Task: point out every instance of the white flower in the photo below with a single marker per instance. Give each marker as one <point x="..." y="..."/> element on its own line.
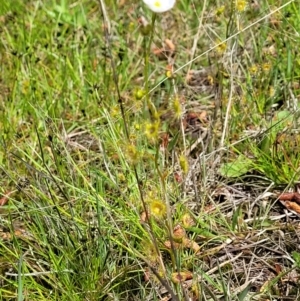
<point x="160" y="6"/>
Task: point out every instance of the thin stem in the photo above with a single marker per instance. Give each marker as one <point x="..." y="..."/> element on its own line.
<point x="147" y="50"/>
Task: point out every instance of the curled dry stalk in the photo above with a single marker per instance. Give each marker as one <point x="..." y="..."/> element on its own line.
<point x="107" y="34"/>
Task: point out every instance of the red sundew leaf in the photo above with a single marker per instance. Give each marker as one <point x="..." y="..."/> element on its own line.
<point x="158" y="51"/>
<point x="191" y="117"/>
<point x="168" y="244"/>
<point x="147" y="275"/>
<point x="164" y="140"/>
<point x="142" y="21"/>
<point x="170" y="45"/>
<point x="5" y="198"/>
<point x="278" y="268"/>
<point x="287" y="196"/>
<point x="178" y="177"/>
<point x="209" y="208"/>
<point x="203" y="116"/>
<point x="187" y="221"/>
<point x="181" y="276"/>
<point x="178" y="233"/>
<point x="290" y="196"/>
<point x="143" y="217"/>
<point x="167" y="50"/>
<point x="191" y="245"/>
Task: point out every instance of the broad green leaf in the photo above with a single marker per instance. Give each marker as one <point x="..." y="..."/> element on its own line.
<point x="236" y="168"/>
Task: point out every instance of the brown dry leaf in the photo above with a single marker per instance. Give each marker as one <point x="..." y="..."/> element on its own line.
<point x="291" y="206"/>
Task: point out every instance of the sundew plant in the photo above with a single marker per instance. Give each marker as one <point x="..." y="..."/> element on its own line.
<point x="149" y="150"/>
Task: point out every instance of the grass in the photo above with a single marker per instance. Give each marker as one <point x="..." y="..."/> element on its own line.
<point x="129" y="175"/>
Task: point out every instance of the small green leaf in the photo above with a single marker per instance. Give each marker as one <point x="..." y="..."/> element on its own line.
<point x="173" y="142"/>
<point x="237" y="168"/>
<point x="202" y="232"/>
<point x="296" y="257"/>
<point x="244" y="294"/>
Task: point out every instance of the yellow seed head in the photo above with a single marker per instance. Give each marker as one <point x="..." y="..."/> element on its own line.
<point x="221" y="48"/>
<point x="253" y="69"/>
<point x="151" y="130"/>
<point x="184" y="164"/>
<point x="121" y="177"/>
<point x="240" y="5"/>
<point x="131" y="26"/>
<point x="139" y="94"/>
<point x="272" y="91"/>
<point x="115" y="111"/>
<point x="266" y="67"/>
<point x="157" y="208"/>
<point x="132" y="153"/>
<point x="149" y="251"/>
<point x="176" y="107"/>
<point x="220" y="10"/>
